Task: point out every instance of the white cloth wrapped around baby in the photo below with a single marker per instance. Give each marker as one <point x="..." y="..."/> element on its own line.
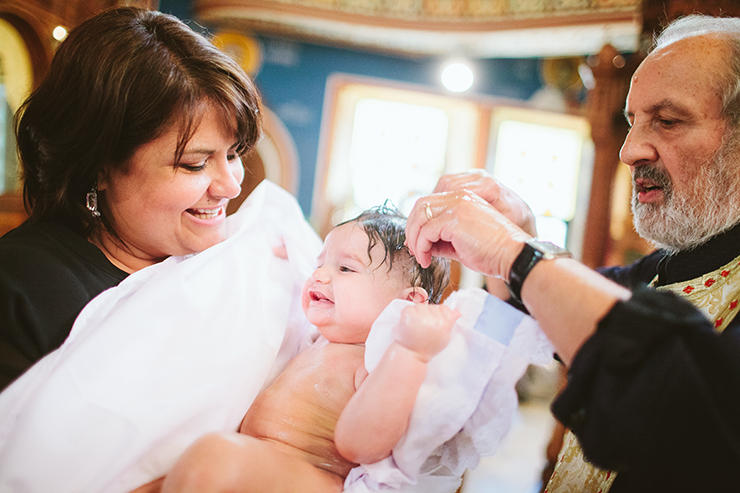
<point x="468" y="398"/>
<point x="182" y="348"/>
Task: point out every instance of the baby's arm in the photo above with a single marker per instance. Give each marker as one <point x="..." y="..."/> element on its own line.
<point x="378" y="414"/>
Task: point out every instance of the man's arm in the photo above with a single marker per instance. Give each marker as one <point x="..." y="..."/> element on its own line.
<point x="378" y="414"/>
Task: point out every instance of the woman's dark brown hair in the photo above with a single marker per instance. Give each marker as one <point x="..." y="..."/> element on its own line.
<point x="117" y="82"/>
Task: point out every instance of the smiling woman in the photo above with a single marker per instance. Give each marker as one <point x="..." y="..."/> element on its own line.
<point x="160" y="206"/>
<point x="130" y="151"/>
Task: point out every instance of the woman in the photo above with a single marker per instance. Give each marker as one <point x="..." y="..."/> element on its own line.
<point x="130" y="152"/>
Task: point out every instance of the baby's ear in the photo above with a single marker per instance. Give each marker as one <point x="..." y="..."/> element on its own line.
<point x="417" y="295"/>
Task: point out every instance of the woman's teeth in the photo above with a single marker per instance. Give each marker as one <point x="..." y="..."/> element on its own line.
<point x="206" y="213"/>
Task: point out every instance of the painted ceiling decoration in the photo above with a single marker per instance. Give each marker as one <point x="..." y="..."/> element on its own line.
<point x="472" y="28"/>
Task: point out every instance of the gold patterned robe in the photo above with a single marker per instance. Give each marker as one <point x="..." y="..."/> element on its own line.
<point x="716" y="295"/>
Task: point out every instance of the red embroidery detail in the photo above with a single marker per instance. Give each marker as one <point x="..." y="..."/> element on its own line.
<point x="709" y="282"/>
<point x="718" y="322"/>
<point x="733" y="305"/>
<point x="688" y="289"/>
<point x="725" y="273"/>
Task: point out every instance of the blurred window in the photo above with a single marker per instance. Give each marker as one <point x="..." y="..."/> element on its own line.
<point x="390" y="143"/>
<point x="539" y="156"/>
<point x="393" y="143"/>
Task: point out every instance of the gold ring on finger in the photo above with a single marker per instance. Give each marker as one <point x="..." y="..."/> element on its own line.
<point x="428" y="210"/>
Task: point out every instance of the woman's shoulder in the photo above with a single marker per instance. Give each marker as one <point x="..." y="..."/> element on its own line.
<point x="55" y="250"/>
<point x="52" y="257"/>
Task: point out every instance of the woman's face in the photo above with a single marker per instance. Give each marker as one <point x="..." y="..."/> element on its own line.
<point x="159" y="208"/>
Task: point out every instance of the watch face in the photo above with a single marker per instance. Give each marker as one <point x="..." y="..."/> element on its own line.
<point x="550" y="249"/>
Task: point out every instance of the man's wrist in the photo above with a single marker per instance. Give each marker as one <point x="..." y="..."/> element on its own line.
<point x="532" y="253"/>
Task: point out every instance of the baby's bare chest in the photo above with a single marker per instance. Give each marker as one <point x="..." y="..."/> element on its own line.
<point x="310" y="394"/>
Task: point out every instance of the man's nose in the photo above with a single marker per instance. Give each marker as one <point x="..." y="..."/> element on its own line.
<point x="638" y="148"/>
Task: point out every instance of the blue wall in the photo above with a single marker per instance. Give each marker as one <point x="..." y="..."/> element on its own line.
<point x="293" y="78"/>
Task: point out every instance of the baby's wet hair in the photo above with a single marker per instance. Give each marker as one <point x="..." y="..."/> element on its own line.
<point x="386" y="225"/>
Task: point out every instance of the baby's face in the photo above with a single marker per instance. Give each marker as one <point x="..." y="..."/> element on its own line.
<point x="348" y="291"/>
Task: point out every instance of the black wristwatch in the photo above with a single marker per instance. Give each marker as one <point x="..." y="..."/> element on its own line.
<point x="534" y="251"/>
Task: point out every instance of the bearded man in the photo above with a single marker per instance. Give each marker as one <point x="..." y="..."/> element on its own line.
<point x="653" y="393"/>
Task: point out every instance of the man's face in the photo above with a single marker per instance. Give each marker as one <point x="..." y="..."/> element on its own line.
<point x="685" y="174"/>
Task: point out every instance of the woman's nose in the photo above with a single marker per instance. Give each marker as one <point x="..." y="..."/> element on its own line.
<point x="638" y="148"/>
<point x="227" y="179"/>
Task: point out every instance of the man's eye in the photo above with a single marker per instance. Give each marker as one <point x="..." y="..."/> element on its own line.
<point x="667" y="122"/>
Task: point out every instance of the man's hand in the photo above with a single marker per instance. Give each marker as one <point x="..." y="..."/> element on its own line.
<point x="492" y="191"/>
<point x="462" y="226"/>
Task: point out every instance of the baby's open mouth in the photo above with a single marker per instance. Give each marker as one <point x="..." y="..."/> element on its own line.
<point x="316" y="296"/>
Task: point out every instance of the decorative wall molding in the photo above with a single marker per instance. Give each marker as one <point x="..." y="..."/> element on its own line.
<point x="476" y="28"/>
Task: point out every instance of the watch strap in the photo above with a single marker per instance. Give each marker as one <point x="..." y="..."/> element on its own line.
<point x="525" y="261"/>
<point x="534" y="250"/>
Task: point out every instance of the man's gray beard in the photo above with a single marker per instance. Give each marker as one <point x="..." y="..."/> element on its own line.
<point x="689" y="219"/>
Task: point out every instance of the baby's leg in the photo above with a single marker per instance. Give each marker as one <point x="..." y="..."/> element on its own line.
<point x="232" y="462"/>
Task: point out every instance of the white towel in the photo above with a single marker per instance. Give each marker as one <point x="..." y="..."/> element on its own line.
<point x="466" y="403"/>
<point x="176" y="350"/>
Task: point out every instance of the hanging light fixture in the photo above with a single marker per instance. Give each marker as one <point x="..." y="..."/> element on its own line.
<point x="457" y="76"/>
<point x="59" y="33"/>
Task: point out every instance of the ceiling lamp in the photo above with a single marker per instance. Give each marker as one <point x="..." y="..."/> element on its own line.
<point x="457" y="76"/>
<point x="59" y="33"/>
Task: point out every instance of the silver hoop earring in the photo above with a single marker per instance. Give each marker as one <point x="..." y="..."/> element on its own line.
<point x="91" y="200"/>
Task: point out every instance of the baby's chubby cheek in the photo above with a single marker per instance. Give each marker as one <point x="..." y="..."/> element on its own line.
<point x="305" y="300"/>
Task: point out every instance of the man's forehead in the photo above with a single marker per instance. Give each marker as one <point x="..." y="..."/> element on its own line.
<point x="681" y="74"/>
<point x="695" y="56"/>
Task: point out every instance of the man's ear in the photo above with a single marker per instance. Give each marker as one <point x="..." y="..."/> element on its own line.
<point x="416" y="295"/>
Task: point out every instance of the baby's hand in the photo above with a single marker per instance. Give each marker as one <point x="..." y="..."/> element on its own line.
<point x="280" y="251"/>
<point x="425" y="329"/>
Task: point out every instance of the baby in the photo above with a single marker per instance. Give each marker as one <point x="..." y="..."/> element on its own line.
<point x="325" y="414"/>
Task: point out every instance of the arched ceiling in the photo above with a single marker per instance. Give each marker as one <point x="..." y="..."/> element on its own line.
<point x="473" y="28"/>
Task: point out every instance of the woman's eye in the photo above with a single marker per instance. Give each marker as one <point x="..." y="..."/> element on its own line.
<point x="193" y="167"/>
<point x="232" y="157"/>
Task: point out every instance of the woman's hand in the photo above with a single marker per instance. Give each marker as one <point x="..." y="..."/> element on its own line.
<point x="462" y="226"/>
<point x="492" y="191"/>
<point x="425" y="329"/>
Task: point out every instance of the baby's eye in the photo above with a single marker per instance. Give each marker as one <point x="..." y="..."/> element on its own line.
<point x="344" y="268"/>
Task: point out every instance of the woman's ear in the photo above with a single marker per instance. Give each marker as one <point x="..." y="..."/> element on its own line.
<point x="102" y="179"/>
<point x="417" y="295"/>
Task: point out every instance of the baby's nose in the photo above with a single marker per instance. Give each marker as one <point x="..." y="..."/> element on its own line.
<point x="321" y="275"/>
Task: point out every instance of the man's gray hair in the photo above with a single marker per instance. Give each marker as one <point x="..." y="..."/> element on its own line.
<point x="726" y="27"/>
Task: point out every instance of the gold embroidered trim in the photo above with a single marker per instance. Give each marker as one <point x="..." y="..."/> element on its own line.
<point x="716" y="295"/>
<point x="574" y="474"/>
